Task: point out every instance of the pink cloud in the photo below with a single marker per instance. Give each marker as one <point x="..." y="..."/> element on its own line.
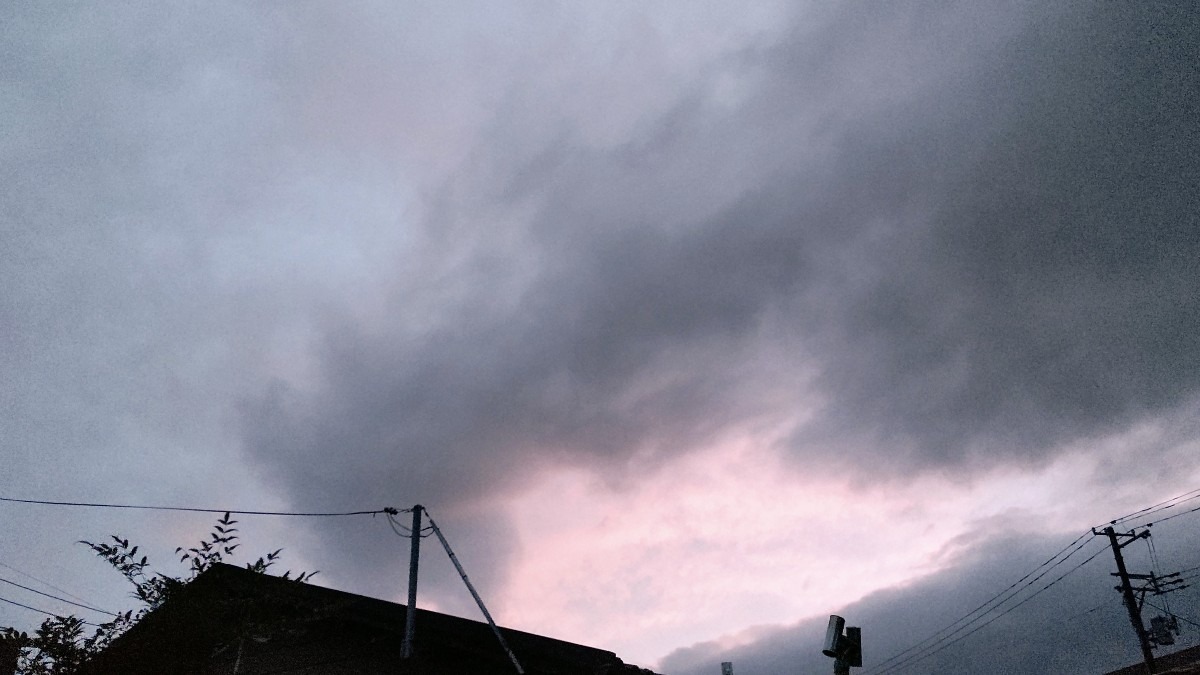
<point x="707" y="544"/>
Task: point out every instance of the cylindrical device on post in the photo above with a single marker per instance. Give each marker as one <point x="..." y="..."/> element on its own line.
<point x="410" y="613"/>
<point x="833" y="635"/>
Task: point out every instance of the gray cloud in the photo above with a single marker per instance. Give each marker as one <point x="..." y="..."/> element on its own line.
<point x="973" y="227"/>
<point x="1049" y="298"/>
<point x="957" y="233"/>
<point x="149" y="276"/>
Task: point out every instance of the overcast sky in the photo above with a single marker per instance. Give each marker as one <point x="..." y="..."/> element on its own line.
<point x="691" y="323"/>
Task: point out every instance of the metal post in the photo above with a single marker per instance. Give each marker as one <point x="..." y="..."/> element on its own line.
<point x="1135" y="615"/>
<point x="410" y="613"/>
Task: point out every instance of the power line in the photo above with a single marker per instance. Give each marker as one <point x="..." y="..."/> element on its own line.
<point x="42" y="611"/>
<point x="1173" y="515"/>
<point x="397" y="526"/>
<point x="55" y="597"/>
<point x="983" y="609"/>
<point x="1034" y="595"/>
<point x="1156" y="569"/>
<point x="934" y="643"/>
<point x="916" y="659"/>
<point x="42" y="582"/>
<point x="1010" y="595"/>
<point x="1161" y="506"/>
<point x="388" y="510"/>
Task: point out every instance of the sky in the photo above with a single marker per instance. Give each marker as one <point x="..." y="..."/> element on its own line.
<point x="690" y="323"/>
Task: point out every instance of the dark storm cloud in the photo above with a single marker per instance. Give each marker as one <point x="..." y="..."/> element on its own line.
<point x="993" y="255"/>
<point x="975" y="229"/>
<point x="1051" y="295"/>
<point x="1076" y="626"/>
<point x="995" y="251"/>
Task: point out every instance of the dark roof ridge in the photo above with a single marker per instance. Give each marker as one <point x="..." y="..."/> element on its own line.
<point x="223" y="570"/>
<point x="230" y="615"/>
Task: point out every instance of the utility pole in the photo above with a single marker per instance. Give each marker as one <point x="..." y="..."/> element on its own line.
<point x="410" y="613"/>
<point x="1135" y="613"/>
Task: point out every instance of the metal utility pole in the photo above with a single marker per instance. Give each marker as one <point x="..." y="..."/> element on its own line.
<point x="1135" y="613"/>
<point x="410" y="613"/>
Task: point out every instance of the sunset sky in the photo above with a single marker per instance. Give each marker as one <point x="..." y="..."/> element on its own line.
<point x="690" y="323"/>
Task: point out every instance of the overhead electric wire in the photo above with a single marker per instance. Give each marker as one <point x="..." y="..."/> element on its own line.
<point x="42" y="581"/>
<point x="983" y="609"/>
<point x="392" y="523"/>
<point x="41" y="611"/>
<point x="917" y="658"/>
<point x="1161" y="506"/>
<point x="941" y="643"/>
<point x="55" y="597"/>
<point x="941" y="635"/>
<point x="407" y="533"/>
<point x="242" y="512"/>
<point x="388" y="511"/>
<point x="934" y="643"/>
<point x="1173" y="515"/>
<point x="1156" y="570"/>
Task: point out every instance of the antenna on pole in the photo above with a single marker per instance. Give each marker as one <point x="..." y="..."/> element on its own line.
<point x="410" y="613"/>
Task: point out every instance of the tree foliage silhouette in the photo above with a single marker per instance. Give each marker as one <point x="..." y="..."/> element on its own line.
<point x="60" y="645"/>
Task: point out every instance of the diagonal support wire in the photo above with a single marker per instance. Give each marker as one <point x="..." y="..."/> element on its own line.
<point x="479" y="601"/>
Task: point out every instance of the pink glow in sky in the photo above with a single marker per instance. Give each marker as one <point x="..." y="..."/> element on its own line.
<point x="733" y="536"/>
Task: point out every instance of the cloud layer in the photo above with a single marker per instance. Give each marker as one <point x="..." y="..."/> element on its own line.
<point x="367" y="256"/>
<point x="912" y="238"/>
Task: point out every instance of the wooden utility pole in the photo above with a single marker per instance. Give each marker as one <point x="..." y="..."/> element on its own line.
<point x="1135" y="613"/>
<point x="410" y="613"/>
